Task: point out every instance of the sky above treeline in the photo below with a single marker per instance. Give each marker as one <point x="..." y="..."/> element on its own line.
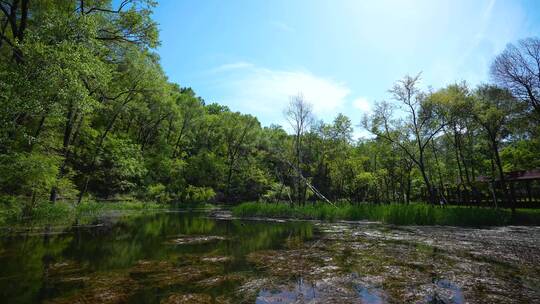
<point x="343" y="56"/>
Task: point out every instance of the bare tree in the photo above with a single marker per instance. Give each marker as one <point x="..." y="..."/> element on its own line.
<point x="517" y="69"/>
<point x="299" y="115"/>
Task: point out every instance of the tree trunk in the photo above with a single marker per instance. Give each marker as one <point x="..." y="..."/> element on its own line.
<point x="71" y="116"/>
<point x="427" y="183"/>
<point x="498" y="162"/>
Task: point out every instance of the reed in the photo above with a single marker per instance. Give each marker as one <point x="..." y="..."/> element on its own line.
<point x="398" y="214"/>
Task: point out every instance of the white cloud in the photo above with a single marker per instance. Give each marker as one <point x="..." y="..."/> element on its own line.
<point x="266" y="92"/>
<point x="362" y="104"/>
<point x="231" y="66"/>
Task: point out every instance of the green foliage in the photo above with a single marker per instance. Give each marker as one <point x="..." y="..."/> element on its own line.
<point x="28" y="174"/>
<point x="276" y="193"/>
<point x="158" y="193"/>
<point x="65" y="213"/>
<point x="52" y="212"/>
<point x="124" y="165"/>
<point x="90" y="208"/>
<point x="198" y="195"/>
<point x="87" y="111"/>
<point x="10" y="209"/>
<point x="521" y="155"/>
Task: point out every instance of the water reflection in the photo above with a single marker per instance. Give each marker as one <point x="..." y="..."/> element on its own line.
<point x="301" y="293"/>
<point x="136" y="254"/>
<point x="370" y="295"/>
<point x="321" y="292"/>
<point x="191" y="258"/>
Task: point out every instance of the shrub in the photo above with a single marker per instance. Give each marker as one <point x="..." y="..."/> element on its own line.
<point x="10" y="209"/>
<point x="158" y="193"/>
<point x="196" y="195"/>
<point x="277" y="192"/>
<point x="28" y="174"/>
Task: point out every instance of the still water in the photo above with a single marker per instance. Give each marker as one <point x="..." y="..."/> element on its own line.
<point x="178" y="257"/>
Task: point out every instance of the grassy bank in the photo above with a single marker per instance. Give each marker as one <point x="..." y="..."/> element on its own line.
<point x="62" y="212"/>
<point x="413" y="214"/>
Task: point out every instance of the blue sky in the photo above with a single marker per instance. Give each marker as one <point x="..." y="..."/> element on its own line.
<point x="341" y="55"/>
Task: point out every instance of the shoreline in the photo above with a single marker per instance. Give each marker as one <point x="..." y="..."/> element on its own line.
<point x="394" y="214"/>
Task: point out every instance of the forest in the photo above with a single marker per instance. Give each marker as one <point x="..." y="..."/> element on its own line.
<point x="120" y="185"/>
<point x="87" y="113"/>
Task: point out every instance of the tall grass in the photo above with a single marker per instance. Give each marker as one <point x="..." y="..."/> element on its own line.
<point x="413" y="214"/>
<point x="94" y="207"/>
<point x="63" y="212"/>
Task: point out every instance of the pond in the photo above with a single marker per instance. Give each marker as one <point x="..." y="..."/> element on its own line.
<point x="181" y="257"/>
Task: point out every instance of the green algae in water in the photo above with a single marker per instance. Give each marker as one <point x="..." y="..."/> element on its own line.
<point x="143" y="259"/>
<point x="192" y="258"/>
